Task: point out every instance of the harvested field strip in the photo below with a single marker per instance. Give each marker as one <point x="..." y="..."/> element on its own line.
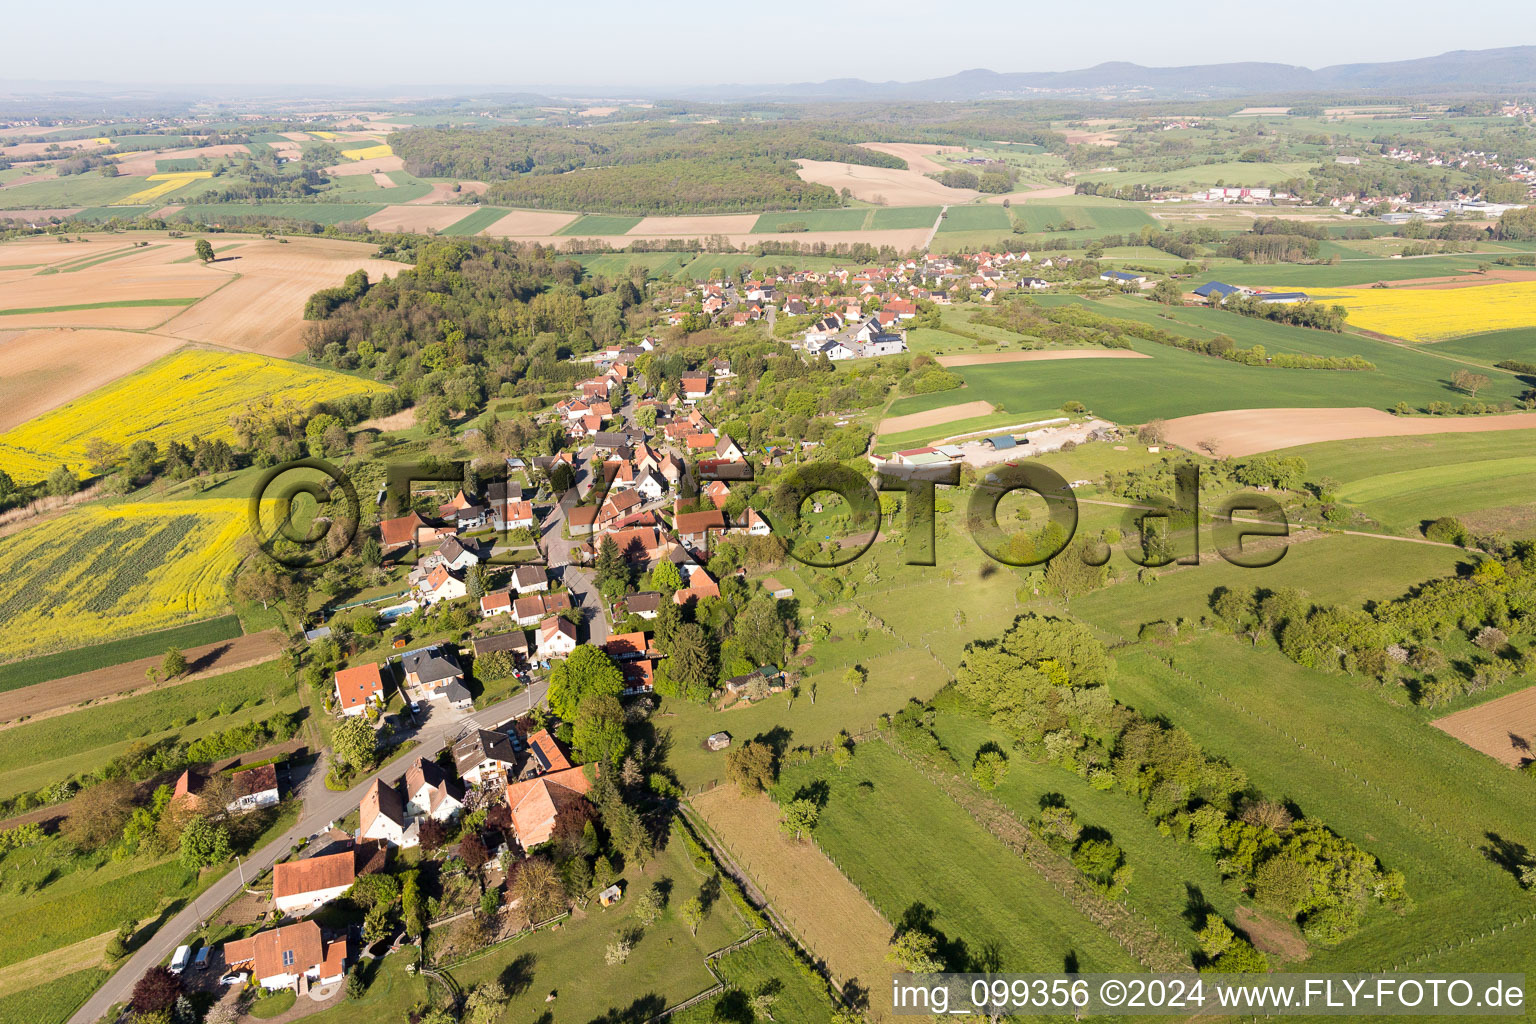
<point x="118" y="304"/>
<point x="1250" y="431"/>
<point x="110" y="258"/>
<point x="1504" y="729"/>
<point x="935" y="417"/>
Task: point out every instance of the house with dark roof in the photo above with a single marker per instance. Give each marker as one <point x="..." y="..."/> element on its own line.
<point x="381" y="816"/>
<point x="429" y="793"/>
<point x="484" y="758"/>
<point x="1215" y="292"/>
<point x="514" y="643"/>
<point x="430" y="670"/>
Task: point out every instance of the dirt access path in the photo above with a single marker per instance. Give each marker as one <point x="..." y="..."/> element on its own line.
<point x="805" y="889"/>
<point x="1250" y="431"/>
<point x="42" y="700"/>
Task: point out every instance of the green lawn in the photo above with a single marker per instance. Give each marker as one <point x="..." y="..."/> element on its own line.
<point x="660" y="265"/>
<point x="894" y="217"/>
<point x="666" y="966"/>
<point x="116" y="304"/>
<point x="592" y="225"/>
<point x="1401" y="481"/>
<point x="813" y="220"/>
<point x="911" y="849"/>
<point x="39" y="753"/>
<point x="1166" y="872"/>
<point x="115" y="652"/>
<point x="391" y="994"/>
<point x="1173" y="382"/>
<point x="53" y="1002"/>
<point x="799" y="994"/>
<point x="1518" y="344"/>
<point x="975" y="218"/>
<point x="476" y="222"/>
<point x="88" y="189"/>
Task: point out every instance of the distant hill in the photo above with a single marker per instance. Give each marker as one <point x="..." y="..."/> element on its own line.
<point x="1512" y="67"/>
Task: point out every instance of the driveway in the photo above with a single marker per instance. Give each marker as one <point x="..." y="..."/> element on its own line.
<point x="321" y="807"/>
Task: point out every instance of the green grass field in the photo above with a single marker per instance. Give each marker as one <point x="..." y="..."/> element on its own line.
<point x="814" y="220"/>
<point x="116" y="304"/>
<point x="975" y="218"/>
<point x="318" y="213"/>
<point x="1103" y="216"/>
<point x="1229" y="172"/>
<point x="1402" y="481"/>
<point x="908" y="846"/>
<point x="799" y="995"/>
<point x="593" y="224"/>
<point x="1361" y="270"/>
<point x="106" y="213"/>
<point x="52" y="1002"/>
<point x="70" y="190"/>
<point x="39" y="753"/>
<point x="1173" y="382"/>
<point x="666" y="967"/>
<point x="893" y="217"/>
<point x="659" y="264"/>
<point x="476" y="222"/>
<point x="116" y="652"/>
<point x="1518" y="344"/>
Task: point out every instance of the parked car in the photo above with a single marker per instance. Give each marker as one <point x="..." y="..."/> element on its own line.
<point x="181" y="959"/>
<point x="234" y="978"/>
<point x="201" y="960"/>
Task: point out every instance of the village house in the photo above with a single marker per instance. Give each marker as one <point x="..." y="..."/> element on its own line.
<point x="295" y="955"/>
<point x="535" y="608"/>
<point x="645" y="604"/>
<point x="358" y="685"/>
<point x="441" y="585"/>
<point x="249" y="789"/>
<point x="514" y="643"/>
<point x="484" y="758"/>
<point x="407" y="531"/>
<point x="430" y="670"/>
<point x="498" y="602"/>
<point x="556" y="638"/>
<point x="695" y="388"/>
<point x="382" y="817"/>
<point x="529" y="579"/>
<point x="429" y="793"/>
<point x="300" y="887"/>
<point x="693" y="527"/>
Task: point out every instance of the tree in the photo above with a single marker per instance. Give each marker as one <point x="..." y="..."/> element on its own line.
<point x="915" y="951"/>
<point x="1069" y="576"/>
<point x="98" y="814"/>
<point x="62" y="482"/>
<point x="356" y="987"/>
<point x="486" y="1002"/>
<point x="798" y="817"/>
<point x="355" y="743"/>
<point x="1216" y="937"/>
<point x="204" y="250"/>
<point x="537" y="887"/>
<point x="203" y="843"/>
<point x="156" y="991"/>
<point x="586" y="673"/>
<point x="990" y="768"/>
<point x="665" y="578"/>
<point x="598" y="735"/>
<point x="854" y="677"/>
<point x="691" y="663"/>
<point x="1168" y="293"/>
<point x="617" y="951"/>
<point x="761" y="630"/>
<point x="648" y="905"/>
<point x="752" y="766"/>
<point x="692" y="912"/>
<point x="473" y="853"/>
<point x="173" y="664"/>
<point x="1471" y="383"/>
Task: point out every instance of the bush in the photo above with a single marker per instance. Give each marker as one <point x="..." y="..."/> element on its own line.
<point x="1447" y="530"/>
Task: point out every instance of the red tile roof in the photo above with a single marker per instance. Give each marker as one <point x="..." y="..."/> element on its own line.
<point x="356" y="684"/>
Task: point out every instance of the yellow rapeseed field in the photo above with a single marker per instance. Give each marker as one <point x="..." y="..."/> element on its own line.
<point x="106" y="571"/>
<point x="323" y="135"/>
<point x="368" y="152"/>
<point x="1435" y="314"/>
<point x="168" y="182"/>
<point x="191" y="392"/>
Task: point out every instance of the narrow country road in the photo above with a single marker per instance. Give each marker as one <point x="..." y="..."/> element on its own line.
<point x="321" y="807"/>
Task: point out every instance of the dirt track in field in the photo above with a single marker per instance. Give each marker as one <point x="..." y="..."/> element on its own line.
<point x="1250" y="431"/>
<point x="1038" y="355"/>
<point x="935" y="417"/>
<point x="1504" y="729"/>
<point x="806" y="889"/>
<point x="57" y="696"/>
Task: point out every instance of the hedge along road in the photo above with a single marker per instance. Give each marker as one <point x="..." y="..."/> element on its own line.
<point x="324" y="808"/>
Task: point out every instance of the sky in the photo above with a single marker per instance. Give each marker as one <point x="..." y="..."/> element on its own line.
<point x="590" y="45"/>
